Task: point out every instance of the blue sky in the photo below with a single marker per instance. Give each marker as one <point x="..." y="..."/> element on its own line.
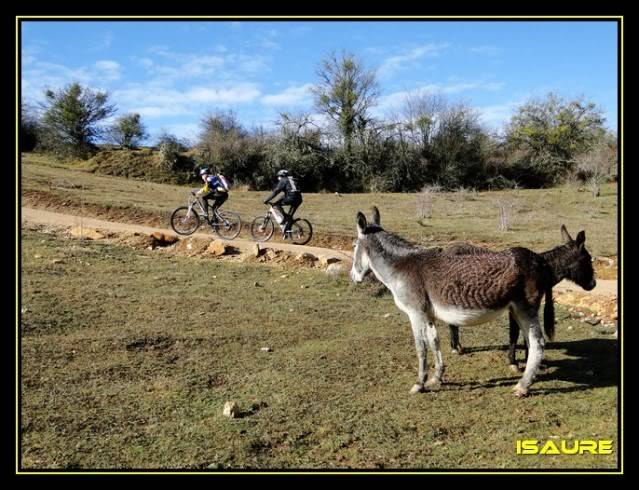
<point x="175" y="72"/>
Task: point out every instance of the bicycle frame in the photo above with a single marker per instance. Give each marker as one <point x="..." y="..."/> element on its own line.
<point x="194" y="200"/>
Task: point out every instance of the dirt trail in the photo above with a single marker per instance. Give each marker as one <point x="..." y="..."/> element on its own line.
<point x="605" y="287"/>
<point x="42" y="217"/>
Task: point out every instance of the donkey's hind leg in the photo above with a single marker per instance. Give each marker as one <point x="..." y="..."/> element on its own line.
<point x="455" y="346"/>
<point x="513" y="328"/>
<point x="531" y="329"/>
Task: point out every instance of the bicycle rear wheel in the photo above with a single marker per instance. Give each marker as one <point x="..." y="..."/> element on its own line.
<point x="185" y="222"/>
<point x="262" y="229"/>
<point x="229" y="224"/>
<point x="301" y="232"/>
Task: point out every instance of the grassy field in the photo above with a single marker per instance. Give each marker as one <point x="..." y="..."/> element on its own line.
<point x="128" y="357"/>
<point x="536" y="217"/>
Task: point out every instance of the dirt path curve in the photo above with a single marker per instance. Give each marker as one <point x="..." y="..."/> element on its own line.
<point x="605" y="287"/>
<point x="41" y="217"/>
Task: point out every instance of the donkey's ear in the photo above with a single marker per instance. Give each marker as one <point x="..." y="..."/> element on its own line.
<point x="375" y="220"/>
<point x="581" y="238"/>
<point x="565" y="235"/>
<point x="361" y="222"/>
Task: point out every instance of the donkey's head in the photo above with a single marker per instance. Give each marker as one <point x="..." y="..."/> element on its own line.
<point x="361" y="263"/>
<point x="578" y="261"/>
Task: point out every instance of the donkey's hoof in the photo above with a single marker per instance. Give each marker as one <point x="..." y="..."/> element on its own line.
<point x="454" y="351"/>
<point x="514" y="368"/>
<point x="416" y="389"/>
<point x="432" y="385"/>
<point x="520" y="392"/>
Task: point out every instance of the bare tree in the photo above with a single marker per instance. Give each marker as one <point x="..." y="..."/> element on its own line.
<point x="595" y="166"/>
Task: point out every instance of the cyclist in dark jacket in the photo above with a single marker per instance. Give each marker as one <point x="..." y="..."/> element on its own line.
<point x="292" y="196"/>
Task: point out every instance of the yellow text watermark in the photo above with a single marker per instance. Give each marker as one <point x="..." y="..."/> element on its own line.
<point x="586" y="446"/>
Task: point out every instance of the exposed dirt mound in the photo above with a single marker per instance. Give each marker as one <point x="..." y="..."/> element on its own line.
<point x="51" y="202"/>
<point x="141" y="164"/>
<point x="605" y="268"/>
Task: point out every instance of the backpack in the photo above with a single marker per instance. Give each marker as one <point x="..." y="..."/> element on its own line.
<point x="225" y="183"/>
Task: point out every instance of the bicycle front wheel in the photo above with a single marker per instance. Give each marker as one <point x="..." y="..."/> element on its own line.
<point x="184" y="222"/>
<point x="301" y="232"/>
<point x="262" y="229"/>
<point x="229" y="225"/>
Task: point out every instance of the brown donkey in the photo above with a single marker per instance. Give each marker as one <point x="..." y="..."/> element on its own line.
<point x="456" y="289"/>
<point x="569" y="261"/>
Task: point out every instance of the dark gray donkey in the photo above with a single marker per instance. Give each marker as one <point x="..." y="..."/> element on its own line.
<point x="568" y="261"/>
<point x="457" y="289"/>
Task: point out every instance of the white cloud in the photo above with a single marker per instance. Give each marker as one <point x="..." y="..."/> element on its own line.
<point x="487" y="50"/>
<point x="108" y="69"/>
<point x="183" y="130"/>
<point x="394" y="63"/>
<point x="222" y="65"/>
<point x="105" y="42"/>
<point x="397" y="99"/>
<point x="232" y="95"/>
<point x="157" y="101"/>
<point x="290" y="96"/>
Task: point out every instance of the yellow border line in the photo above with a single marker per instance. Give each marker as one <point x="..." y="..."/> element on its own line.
<point x="390" y="17"/>
<point x="18" y="226"/>
<point x="213" y="473"/>
<point x="620" y="263"/>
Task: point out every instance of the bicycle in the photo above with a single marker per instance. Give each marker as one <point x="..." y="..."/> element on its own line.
<point x="186" y="219"/>
<point x="299" y="232"/>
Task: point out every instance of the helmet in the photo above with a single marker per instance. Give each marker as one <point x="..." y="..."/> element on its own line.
<point x="204" y="170"/>
<point x="282" y="173"/>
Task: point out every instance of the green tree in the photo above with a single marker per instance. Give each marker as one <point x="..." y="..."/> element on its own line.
<point x="71" y="119"/>
<point x="345" y="93"/>
<point x="128" y="131"/>
<point x="547" y="134"/>
<point x="30" y="130"/>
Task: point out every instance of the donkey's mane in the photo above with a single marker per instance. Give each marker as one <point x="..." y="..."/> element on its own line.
<point x="391" y="244"/>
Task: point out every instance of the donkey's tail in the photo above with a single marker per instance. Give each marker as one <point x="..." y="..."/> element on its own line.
<point x="549" y="315"/>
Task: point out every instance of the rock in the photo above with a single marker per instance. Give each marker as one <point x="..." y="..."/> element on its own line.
<point x="231" y="410"/>
<point x="336" y="269"/>
<point x="218" y="248"/>
<point x="256" y="284"/>
<point x="570" y="328"/>
<point x="283" y="276"/>
<point x="163" y="239"/>
<point x="57" y="261"/>
<point x="303" y="286"/>
<point x="257" y="251"/>
<point x="266" y="349"/>
<point x="593" y="321"/>
<point x="37" y="256"/>
<point x="387" y="315"/>
<point x="306" y="258"/>
<point x="328" y="260"/>
<point x="86" y="233"/>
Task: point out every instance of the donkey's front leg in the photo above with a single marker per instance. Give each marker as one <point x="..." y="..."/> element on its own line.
<point x="420" y="346"/>
<point x="532" y="330"/>
<point x="434" y="383"/>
